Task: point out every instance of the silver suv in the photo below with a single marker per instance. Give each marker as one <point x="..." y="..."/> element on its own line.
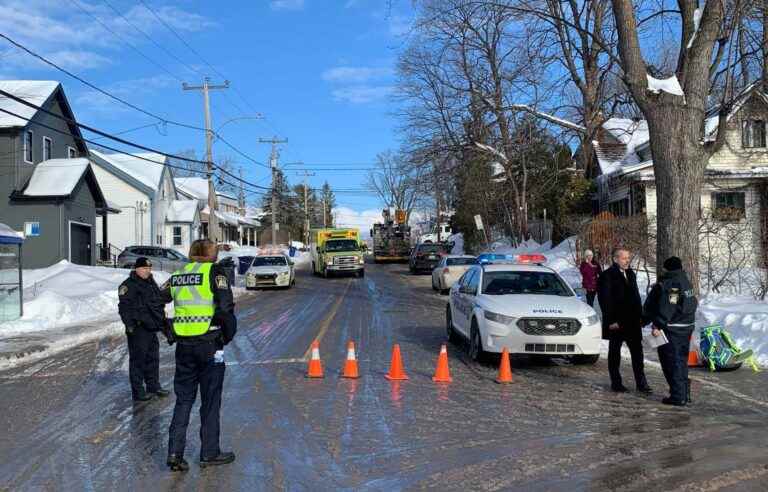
<point x="165" y="259"/>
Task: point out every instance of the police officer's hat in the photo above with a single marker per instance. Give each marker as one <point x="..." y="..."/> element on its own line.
<point x="142" y="261"/>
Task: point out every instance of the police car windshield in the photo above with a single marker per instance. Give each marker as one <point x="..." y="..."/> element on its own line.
<point x="539" y="283"/>
<point x="269" y="261"/>
<point x="341" y="245"/>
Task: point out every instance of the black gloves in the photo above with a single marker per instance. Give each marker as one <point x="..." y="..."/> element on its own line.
<point x="129" y="330"/>
<point x="170" y="336"/>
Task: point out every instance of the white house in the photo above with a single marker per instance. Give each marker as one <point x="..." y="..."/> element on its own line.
<point x="143" y="188"/>
<point x="234" y="224"/>
<point x="734" y="198"/>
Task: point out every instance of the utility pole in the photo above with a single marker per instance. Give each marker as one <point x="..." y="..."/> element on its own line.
<point x="306" y="174"/>
<point x="213" y="226"/>
<point x="273" y="156"/>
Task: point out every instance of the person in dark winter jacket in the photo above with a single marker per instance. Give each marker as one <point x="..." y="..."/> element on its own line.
<point x="590" y="271"/>
<point x="142" y="309"/>
<point x="671" y="307"/>
<point x="622" y="312"/>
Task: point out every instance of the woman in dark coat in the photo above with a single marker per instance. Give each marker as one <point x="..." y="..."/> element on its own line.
<point x="590" y="271"/>
<point x="622" y="312"/>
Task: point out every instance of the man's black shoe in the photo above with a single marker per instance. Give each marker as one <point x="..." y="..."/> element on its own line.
<point x="670" y="401"/>
<point x="161" y="393"/>
<point x="619" y="389"/>
<point x="177" y="463"/>
<point x="221" y="459"/>
<point x="645" y="389"/>
<point x="144" y="397"/>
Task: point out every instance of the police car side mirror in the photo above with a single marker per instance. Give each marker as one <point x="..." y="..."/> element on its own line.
<point x="581" y="293"/>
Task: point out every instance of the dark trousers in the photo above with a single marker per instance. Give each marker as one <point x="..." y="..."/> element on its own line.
<point x="143" y="362"/>
<point x="674" y="362"/>
<point x="635" y="345"/>
<point x="591" y="298"/>
<point x="195" y="366"/>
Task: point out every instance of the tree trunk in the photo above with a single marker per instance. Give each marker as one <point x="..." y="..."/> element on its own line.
<point x="678" y="166"/>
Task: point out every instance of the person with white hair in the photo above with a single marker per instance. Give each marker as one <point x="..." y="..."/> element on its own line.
<point x="590" y="270"/>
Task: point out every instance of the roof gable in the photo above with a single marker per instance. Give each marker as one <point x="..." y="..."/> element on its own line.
<point x="59" y="178"/>
<point x="147" y="168"/>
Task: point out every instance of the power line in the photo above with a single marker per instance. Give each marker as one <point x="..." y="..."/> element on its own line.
<point x="152" y="40"/>
<point x="125" y="41"/>
<point x="98" y="89"/>
<point x="117" y="139"/>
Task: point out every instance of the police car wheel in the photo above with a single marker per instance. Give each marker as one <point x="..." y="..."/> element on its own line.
<point x="453" y="337"/>
<point x="585" y="359"/>
<point x="476" y="351"/>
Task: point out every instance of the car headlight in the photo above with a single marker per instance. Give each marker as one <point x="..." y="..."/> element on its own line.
<point x="498" y="318"/>
<point x="283" y="274"/>
<point x="594" y="319"/>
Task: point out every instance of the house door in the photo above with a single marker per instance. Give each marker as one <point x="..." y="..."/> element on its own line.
<point x="80" y="244"/>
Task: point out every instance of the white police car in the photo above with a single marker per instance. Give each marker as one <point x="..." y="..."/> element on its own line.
<point x="528" y="308"/>
<point x="270" y="271"/>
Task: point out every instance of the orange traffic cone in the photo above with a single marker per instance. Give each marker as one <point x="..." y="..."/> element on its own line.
<point x="315" y="369"/>
<point x="505" y="370"/>
<point x="693" y="355"/>
<point x="442" y="373"/>
<point x="350" y="367"/>
<point x="693" y="358"/>
<point x="396" y="371"/>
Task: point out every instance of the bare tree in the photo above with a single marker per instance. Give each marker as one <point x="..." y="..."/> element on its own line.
<point x="395" y="182"/>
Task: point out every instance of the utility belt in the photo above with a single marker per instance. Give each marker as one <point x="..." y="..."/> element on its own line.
<point x="213" y="335"/>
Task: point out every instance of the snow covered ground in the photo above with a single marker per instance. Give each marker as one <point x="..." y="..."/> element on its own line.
<point x="743" y="316"/>
<point x="66" y="305"/>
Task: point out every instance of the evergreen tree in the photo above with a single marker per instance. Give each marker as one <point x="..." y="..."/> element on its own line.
<point x="328" y="204"/>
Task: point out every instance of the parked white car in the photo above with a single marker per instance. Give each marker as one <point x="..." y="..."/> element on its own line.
<point x="270" y="271"/>
<point x="525" y="307"/>
<point x="449" y="270"/>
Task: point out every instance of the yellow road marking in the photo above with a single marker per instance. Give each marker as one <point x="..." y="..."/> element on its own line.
<point x="327" y="321"/>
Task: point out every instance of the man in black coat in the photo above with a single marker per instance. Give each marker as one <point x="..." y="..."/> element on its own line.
<point x="671" y="306"/>
<point x="622" y="312"/>
<point x="142" y="309"/>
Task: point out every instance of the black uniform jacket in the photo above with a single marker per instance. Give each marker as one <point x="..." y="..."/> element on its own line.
<point x="620" y="302"/>
<point x="224" y="303"/>
<point x="142" y="303"/>
<point x="671" y="303"/>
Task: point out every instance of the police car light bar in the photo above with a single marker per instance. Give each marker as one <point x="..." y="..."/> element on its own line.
<point x="531" y="258"/>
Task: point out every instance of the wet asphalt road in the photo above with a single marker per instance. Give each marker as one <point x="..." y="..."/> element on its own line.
<point x="66" y="423"/>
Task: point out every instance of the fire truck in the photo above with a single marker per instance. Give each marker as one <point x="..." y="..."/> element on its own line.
<point x="392" y="238"/>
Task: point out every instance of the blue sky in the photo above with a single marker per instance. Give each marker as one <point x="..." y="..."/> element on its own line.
<point x="320" y="71"/>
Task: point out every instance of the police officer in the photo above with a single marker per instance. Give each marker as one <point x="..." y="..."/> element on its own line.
<point x="671" y="307"/>
<point x="203" y="324"/>
<point x="141" y="307"/>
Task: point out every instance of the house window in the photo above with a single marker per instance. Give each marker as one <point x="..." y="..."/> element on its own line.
<point x="71" y="152"/>
<point x="28" y="155"/>
<point x="47" y="148"/>
<point x="177" y="236"/>
<point x="159" y="239"/>
<point x="728" y="205"/>
<point x="753" y="134"/>
<point x="637" y="194"/>
<point x="619" y="208"/>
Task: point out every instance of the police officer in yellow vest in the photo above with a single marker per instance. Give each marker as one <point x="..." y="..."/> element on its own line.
<point x="204" y="322"/>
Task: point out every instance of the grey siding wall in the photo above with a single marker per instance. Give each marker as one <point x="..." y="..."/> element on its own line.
<point x="46" y="249"/>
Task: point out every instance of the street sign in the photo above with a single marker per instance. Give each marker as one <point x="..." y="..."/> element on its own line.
<point x="479" y="222"/>
<point x="31" y="229"/>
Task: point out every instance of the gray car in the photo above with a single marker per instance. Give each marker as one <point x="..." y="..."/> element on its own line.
<point x="165" y="259"/>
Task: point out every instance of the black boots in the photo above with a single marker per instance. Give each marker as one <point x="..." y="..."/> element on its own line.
<point x="221" y="459"/>
<point x="161" y="393"/>
<point x="177" y="463"/>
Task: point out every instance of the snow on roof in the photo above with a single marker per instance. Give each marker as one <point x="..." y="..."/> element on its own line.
<point x="138" y="166"/>
<point x="629" y="135"/>
<point x="8" y="235"/>
<point x="181" y="211"/>
<point x="196" y="187"/>
<point x="33" y="91"/>
<point x="56" y="177"/>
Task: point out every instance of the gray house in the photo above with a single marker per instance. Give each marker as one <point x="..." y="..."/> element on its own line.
<point x="48" y="189"/>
